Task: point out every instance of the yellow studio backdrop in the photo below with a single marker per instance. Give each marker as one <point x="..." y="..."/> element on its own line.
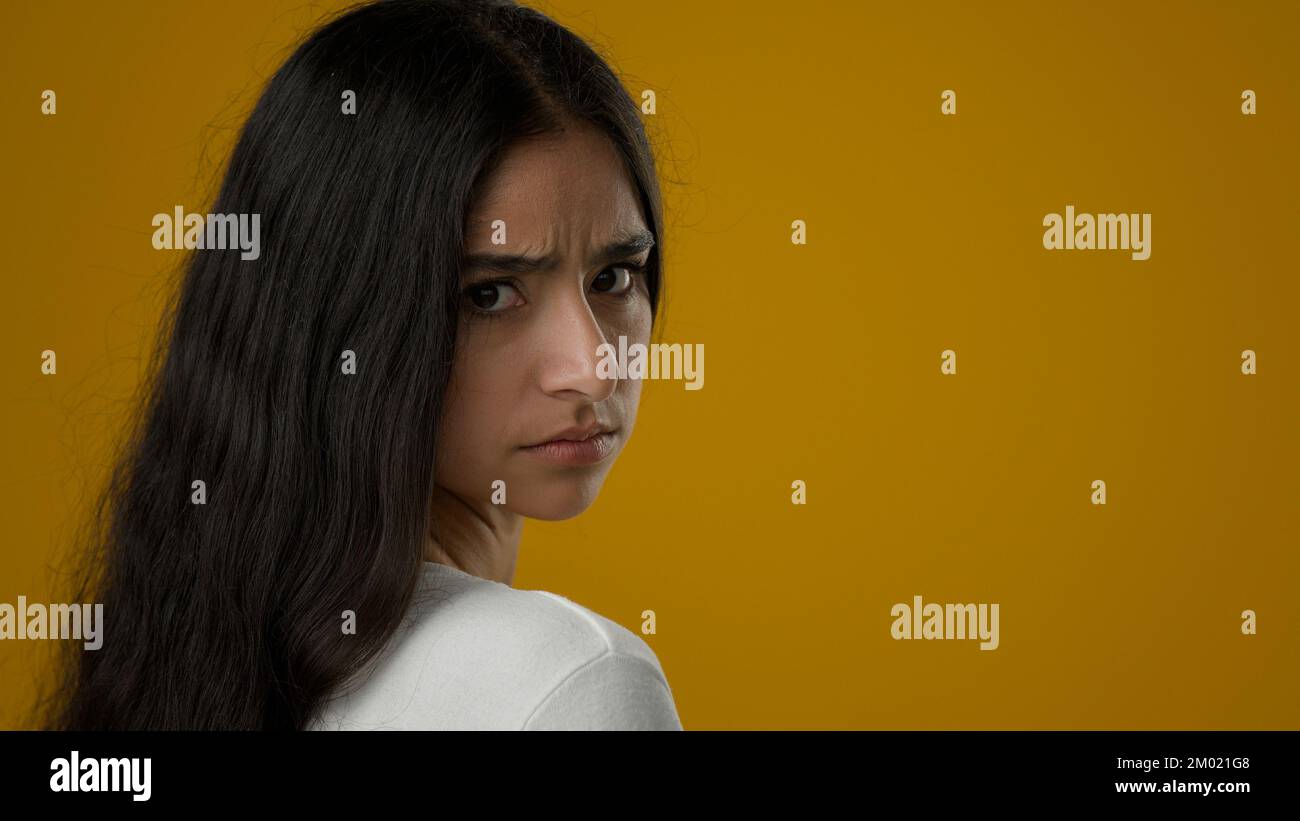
<point x="924" y="234"/>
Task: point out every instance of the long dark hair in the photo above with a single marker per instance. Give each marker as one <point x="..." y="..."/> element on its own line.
<point x="229" y="614"/>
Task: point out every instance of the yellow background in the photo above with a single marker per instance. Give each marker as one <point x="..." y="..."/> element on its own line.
<point x="822" y="361"/>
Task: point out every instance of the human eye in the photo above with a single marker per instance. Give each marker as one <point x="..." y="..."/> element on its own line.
<point x="617" y="280"/>
<point x="491" y="297"/>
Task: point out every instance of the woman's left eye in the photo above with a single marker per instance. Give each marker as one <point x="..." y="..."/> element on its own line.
<point x="616" y="279"/>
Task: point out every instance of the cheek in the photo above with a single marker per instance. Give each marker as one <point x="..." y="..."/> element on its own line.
<point x="628" y="394"/>
<point x="474" y="416"/>
<point x="456" y="437"/>
<point x="636" y="327"/>
<point x="632" y="322"/>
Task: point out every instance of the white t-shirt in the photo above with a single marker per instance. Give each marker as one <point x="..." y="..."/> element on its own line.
<point x="477" y="654"/>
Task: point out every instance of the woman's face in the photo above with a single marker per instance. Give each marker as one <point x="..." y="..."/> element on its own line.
<point x="525" y="404"/>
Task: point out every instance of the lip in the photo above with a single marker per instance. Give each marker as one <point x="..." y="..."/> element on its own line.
<point x="578" y="445"/>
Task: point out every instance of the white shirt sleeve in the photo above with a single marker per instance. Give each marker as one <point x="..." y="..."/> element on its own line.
<point x="615" y="691"/>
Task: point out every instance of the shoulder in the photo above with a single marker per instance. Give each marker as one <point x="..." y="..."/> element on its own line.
<point x="619" y="686"/>
<point x="474" y="653"/>
<point x="554" y="627"/>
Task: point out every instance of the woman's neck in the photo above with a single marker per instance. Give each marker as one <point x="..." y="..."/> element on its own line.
<point x="479" y="538"/>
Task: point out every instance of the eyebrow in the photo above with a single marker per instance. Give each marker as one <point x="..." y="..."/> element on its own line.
<point x="624" y="246"/>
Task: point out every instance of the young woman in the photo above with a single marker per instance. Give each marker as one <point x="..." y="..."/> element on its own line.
<point x="316" y="521"/>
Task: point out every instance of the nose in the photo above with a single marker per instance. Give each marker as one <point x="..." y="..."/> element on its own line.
<point x="570" y="337"/>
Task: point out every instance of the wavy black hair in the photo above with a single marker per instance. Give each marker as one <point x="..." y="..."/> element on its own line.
<point x="227" y="615"/>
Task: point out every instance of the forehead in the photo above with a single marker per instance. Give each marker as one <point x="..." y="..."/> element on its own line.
<point x="551" y="189"/>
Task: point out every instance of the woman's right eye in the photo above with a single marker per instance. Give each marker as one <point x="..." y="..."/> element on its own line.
<point x="492" y="297"/>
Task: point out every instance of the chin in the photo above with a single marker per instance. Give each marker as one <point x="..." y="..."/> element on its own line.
<point x="558" y="498"/>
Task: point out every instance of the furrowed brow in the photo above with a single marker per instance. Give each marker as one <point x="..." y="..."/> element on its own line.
<point x="519" y="264"/>
<point x="508" y="263"/>
<point x="626" y="246"/>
